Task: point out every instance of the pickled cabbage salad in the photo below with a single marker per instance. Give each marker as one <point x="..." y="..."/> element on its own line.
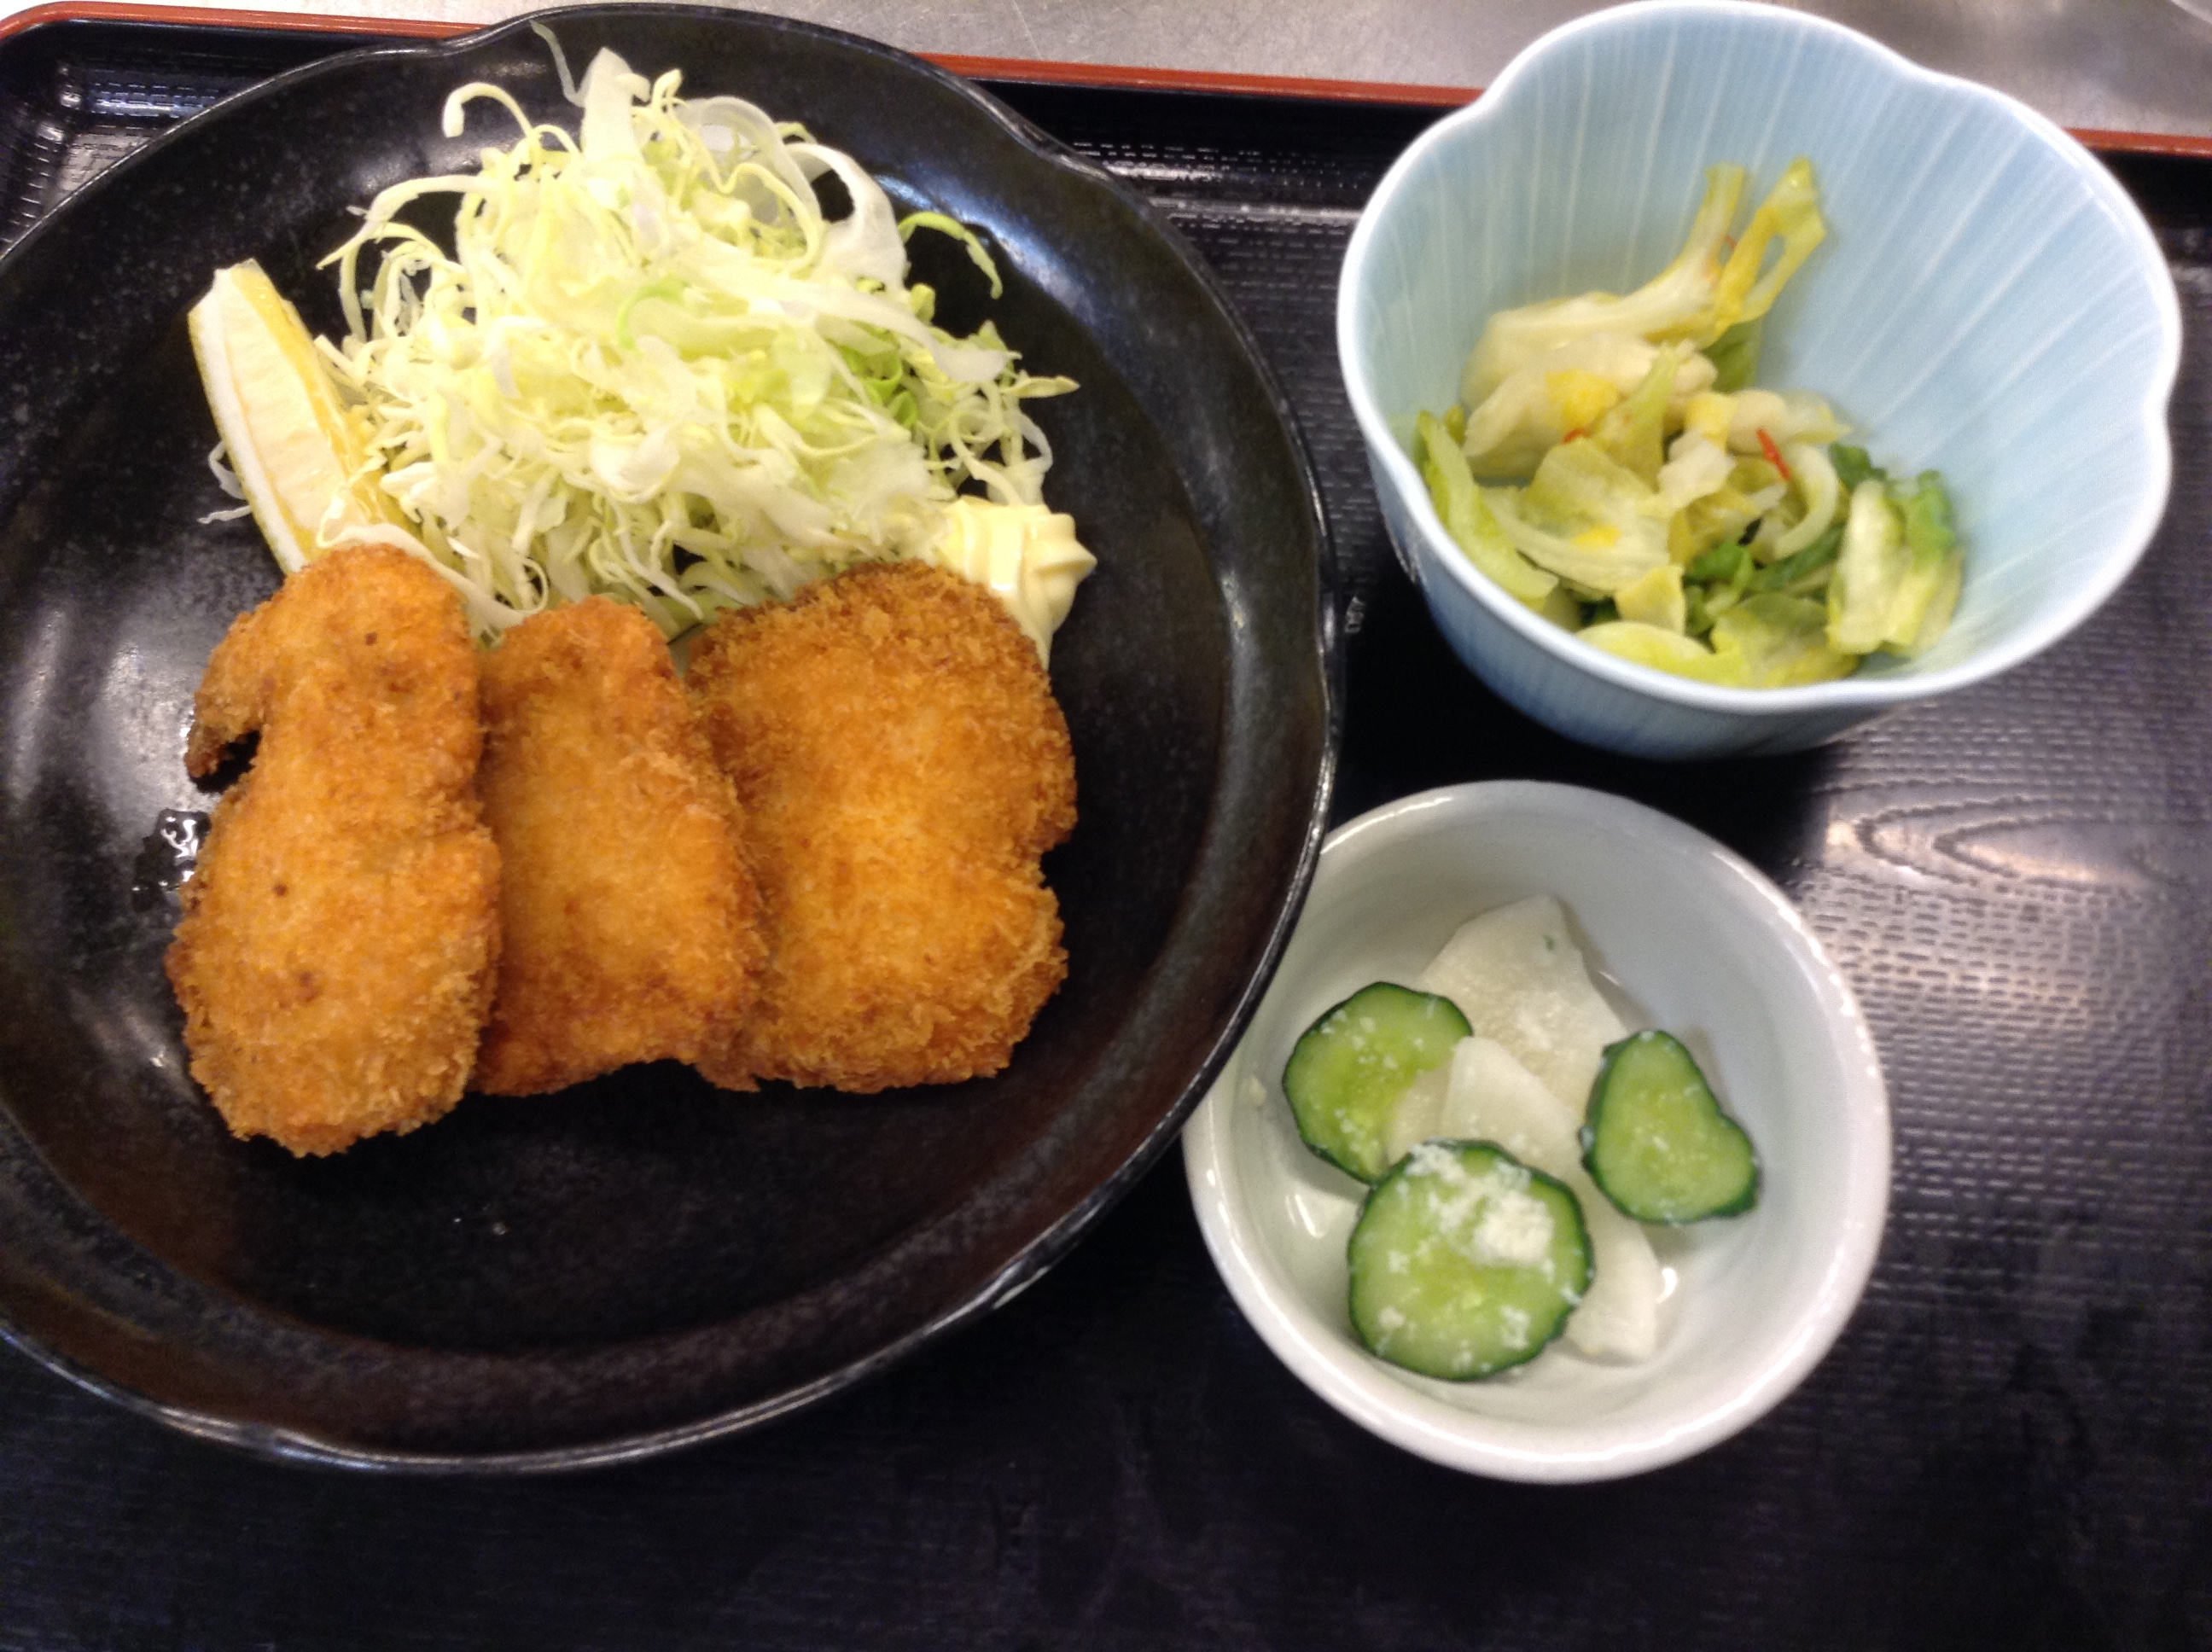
<point x="1612" y="466"/>
<point x="647" y="363"/>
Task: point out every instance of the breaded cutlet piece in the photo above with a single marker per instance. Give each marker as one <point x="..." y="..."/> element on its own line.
<point x="902" y="766"/>
<point x="339" y="935"/>
<point x="632" y="929"/>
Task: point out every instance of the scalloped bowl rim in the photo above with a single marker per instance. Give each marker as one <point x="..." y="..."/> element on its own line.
<point x="2129" y="538"/>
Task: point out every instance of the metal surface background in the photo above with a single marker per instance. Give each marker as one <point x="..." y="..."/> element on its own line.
<point x="2130" y="65"/>
<point x="2010" y="1447"/>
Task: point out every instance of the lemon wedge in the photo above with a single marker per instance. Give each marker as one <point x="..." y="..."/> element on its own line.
<point x="298" y="455"/>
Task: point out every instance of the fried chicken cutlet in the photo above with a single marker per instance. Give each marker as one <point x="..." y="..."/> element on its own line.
<point x="902" y="766"/>
<point x="632" y="928"/>
<point x="335" y="960"/>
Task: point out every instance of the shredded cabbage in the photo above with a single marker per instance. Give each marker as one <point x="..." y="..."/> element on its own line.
<point x="651" y="366"/>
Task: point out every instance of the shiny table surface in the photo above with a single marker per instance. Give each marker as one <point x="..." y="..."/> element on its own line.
<point x="2125" y="65"/>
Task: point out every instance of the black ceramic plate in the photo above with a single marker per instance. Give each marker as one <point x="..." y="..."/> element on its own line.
<point x="640" y="1262"/>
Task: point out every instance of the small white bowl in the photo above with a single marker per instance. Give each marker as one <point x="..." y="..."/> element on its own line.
<point x="1989" y="303"/>
<point x="1686" y="936"/>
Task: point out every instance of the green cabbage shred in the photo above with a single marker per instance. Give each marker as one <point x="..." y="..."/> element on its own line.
<point x="650" y="366"/>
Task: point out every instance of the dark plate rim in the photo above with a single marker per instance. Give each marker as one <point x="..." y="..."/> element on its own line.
<point x="1039" y="1255"/>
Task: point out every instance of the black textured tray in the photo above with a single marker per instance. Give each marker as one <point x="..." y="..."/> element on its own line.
<point x="2010" y="1447"/>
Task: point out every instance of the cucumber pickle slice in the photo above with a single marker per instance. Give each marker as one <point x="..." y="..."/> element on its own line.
<point x="1352" y="1067"/>
<point x="1466" y="1261"/>
<point x="1656" y="1141"/>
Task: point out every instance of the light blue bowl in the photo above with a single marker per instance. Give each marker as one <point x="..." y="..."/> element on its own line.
<point x="1989" y="303"/>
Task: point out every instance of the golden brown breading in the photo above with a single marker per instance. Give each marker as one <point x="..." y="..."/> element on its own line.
<point x="902" y="766"/>
<point x="336" y="956"/>
<point x="632" y="926"/>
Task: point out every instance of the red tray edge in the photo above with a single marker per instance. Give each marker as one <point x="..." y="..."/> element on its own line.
<point x="1116" y="76"/>
<point x="1034" y="71"/>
